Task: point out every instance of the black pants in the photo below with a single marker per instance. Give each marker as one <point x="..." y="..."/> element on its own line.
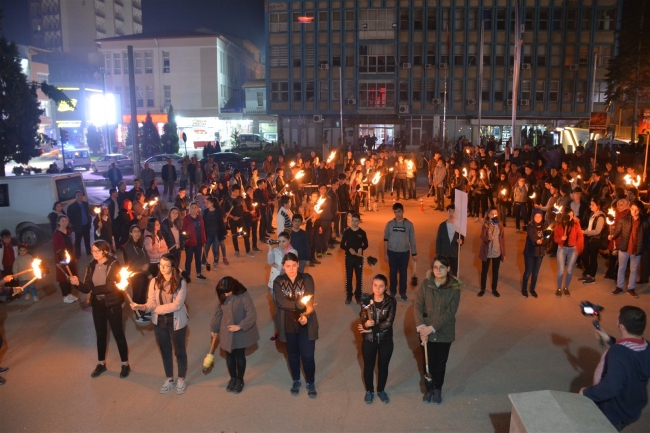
<point x="324" y="238"/>
<point x="590" y="256"/>
<point x="496" y="262"/>
<point x="66" y="288"/>
<point x="83" y="232"/>
<point x="301" y="348"/>
<point x="264" y="224"/>
<point x="253" y="230"/>
<point x="234" y="226"/>
<point x="438" y="355"/>
<point x="140" y="285"/>
<point x="312" y="238"/>
<point x="440" y="197"/>
<point x="168" y="338"/>
<point x="196" y="253"/>
<point x="353" y="264"/>
<point x="376" y="353"/>
<point x="398" y="263"/>
<point x="612" y="266"/>
<point x="103" y="315"/>
<point x="453" y="261"/>
<point x="236" y="362"/>
<point x="520" y="213"/>
<point x="400" y="184"/>
<point x="340" y="223"/>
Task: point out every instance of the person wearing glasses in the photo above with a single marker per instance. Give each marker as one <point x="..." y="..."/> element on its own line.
<point x="399" y="245"/>
<point x="436" y="304"/>
<point x="106" y="299"/>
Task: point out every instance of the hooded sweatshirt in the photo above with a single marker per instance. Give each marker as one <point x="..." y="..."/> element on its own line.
<point x="536" y="232"/>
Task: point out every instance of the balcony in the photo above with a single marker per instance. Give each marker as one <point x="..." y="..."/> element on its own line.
<point x="119" y="2"/>
<point x="100" y="13"/>
<point x="137" y="19"/>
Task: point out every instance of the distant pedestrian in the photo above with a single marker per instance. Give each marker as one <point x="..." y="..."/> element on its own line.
<point x="169" y="179"/>
<point x="80" y="219"/>
<point x="62" y="244"/>
<point x="492" y="250"/>
<point x="114" y="175"/>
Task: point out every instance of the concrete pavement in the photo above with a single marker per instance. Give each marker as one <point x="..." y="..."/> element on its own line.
<point x="504" y="345"/>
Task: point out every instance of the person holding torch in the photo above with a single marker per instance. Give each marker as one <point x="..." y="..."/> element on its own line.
<point x="64" y="253"/>
<point x="296" y="321"/>
<point x="106" y="300"/>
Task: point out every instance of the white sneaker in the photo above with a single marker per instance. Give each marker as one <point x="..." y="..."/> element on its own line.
<point x="27" y="296"/>
<point x="36" y="299"/>
<point x="181" y="386"/>
<point x="167" y="386"/>
<point x="74" y="298"/>
<point x="68" y="299"/>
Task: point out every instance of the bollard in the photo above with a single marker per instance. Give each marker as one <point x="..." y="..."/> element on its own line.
<point x="421" y="205"/>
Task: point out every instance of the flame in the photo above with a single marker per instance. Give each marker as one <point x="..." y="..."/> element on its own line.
<point x="609" y="221"/>
<point x="332" y="156"/>
<point x="243" y="194"/>
<point x="319" y="203"/>
<point x="300" y="174"/>
<point x="579" y="177"/>
<point x="240" y="230"/>
<point x="628" y="179"/>
<point x="152" y="203"/>
<point x="36" y="265"/>
<point x="557" y="208"/>
<point x="98" y="210"/>
<point x="292" y="164"/>
<point x="465" y="171"/>
<point x="481" y="173"/>
<point x="124" y="279"/>
<point x="376" y="178"/>
<point x="390" y="169"/>
<point x="503" y="191"/>
<point x="305" y="299"/>
<point x="637" y="182"/>
<point x="532" y="196"/>
<point x="409" y="164"/>
<point x="496" y="163"/>
<point x="66" y="258"/>
<point x="363" y="160"/>
<point x="467" y="150"/>
<point x="254" y="204"/>
<point x="611" y="212"/>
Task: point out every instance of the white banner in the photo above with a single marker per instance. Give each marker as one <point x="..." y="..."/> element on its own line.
<point x="460" y="214"/>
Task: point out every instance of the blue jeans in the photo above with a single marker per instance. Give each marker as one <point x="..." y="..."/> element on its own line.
<point x="622" y="266"/>
<point x="532" y="268"/>
<point x="299" y="347"/>
<point x="30" y="290"/>
<point x="567" y="255"/>
<point x="196" y="252"/>
<point x="301" y="265"/>
<point x="215" y="243"/>
<point x="398" y="263"/>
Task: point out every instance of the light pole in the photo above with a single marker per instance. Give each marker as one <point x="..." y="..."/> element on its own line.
<point x="102" y="70"/>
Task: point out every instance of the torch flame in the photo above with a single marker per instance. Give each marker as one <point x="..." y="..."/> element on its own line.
<point x="319" y="203"/>
<point x="532" y="196"/>
<point x="292" y="164"/>
<point x="98" y="210"/>
<point x="152" y="203"/>
<point x="611" y="212"/>
<point x="637" y="182"/>
<point x="465" y="170"/>
<point x="628" y="179"/>
<point x="409" y="164"/>
<point x="390" y="169"/>
<point x="557" y="208"/>
<point x="503" y="191"/>
<point x="363" y="160"/>
<point x="124" y="279"/>
<point x="36" y="265"/>
<point x="376" y="178"/>
<point x="66" y="258"/>
<point x="332" y="156"/>
<point x="254" y="204"/>
<point x="305" y="299"/>
<point x="300" y="174"/>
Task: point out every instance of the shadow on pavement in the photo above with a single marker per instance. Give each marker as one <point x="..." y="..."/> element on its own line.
<point x="584" y="362"/>
<point x="500" y="422"/>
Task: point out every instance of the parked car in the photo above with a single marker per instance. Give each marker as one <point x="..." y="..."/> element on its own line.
<point x="157" y="162"/>
<point x="253" y="140"/>
<point x="271" y="136"/>
<point x="124" y="163"/>
<point x="77" y="158"/>
<point x="228" y="160"/>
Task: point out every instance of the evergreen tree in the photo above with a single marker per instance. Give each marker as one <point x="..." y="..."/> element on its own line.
<point x="95" y="139"/>
<point x="150" y="139"/>
<point x="170" y="135"/>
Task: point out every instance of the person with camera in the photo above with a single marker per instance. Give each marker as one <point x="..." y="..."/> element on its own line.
<point x="569" y="238"/>
<point x="621" y="378"/>
<point x="106" y="301"/>
<point x="436" y="304"/>
<point x="493" y="250"/>
<point x="354" y="241"/>
<point x="377" y="317"/>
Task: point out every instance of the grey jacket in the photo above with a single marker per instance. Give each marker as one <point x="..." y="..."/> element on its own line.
<point x="177" y="306"/>
<point x="236" y="310"/>
<point x="400" y="236"/>
<point x="439" y="176"/>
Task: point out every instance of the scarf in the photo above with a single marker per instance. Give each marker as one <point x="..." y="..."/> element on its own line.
<point x="635" y="344"/>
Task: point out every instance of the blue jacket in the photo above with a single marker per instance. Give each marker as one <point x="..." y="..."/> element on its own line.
<point x="622" y="393"/>
<point x="300" y="243"/>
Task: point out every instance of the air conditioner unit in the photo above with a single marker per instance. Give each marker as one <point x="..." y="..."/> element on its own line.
<point x="471" y="101"/>
<point x="403" y="109"/>
<point x="436" y="101"/>
<point x="406" y="65"/>
<point x="427" y="66"/>
<point x="525" y="102"/>
<point x="318" y="118"/>
<point x="509" y="102"/>
<point x="442" y="66"/>
<point x="525" y="66"/>
<point x="324" y="66"/>
<point x="512" y="71"/>
<point x="351" y="102"/>
<point x="574" y="67"/>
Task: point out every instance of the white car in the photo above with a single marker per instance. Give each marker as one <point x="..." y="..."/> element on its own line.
<point x="124" y="163"/>
<point x="157" y="162"/>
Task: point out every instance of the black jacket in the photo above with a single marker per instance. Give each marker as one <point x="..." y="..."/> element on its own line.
<point x="214" y="225"/>
<point x="114" y="296"/>
<point x="624" y="230"/>
<point x="384" y="318"/>
<point x="443" y="246"/>
<point x="165" y="173"/>
<point x="534" y="233"/>
<point x="74" y="214"/>
<point x="168" y="236"/>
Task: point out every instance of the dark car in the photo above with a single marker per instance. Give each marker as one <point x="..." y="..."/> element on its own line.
<point x="228" y="160"/>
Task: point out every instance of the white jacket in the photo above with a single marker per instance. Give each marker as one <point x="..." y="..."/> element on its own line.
<point x="275" y="256"/>
<point x="177" y="305"/>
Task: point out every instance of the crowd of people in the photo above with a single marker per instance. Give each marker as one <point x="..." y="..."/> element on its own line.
<point x="566" y="208"/>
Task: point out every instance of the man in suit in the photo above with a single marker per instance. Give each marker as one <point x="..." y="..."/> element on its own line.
<point x="114" y="175"/>
<point x="169" y="179"/>
<point x="80" y="218"/>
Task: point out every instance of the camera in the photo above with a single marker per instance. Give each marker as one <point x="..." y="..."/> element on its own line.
<point x="273" y="242"/>
<point x="588" y="309"/>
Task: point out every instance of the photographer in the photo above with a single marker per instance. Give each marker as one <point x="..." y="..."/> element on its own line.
<point x="621" y="378"/>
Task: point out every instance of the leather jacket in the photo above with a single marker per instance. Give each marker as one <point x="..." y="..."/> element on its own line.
<point x="384" y="317"/>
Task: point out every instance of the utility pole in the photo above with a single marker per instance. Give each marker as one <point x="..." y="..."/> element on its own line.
<point x="134" y="115"/>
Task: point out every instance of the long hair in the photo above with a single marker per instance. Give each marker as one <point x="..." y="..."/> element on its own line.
<point x="151" y="228"/>
<point x="139" y="243"/>
<point x="178" y="222"/>
<point x="229" y="285"/>
<point x="175" y="281"/>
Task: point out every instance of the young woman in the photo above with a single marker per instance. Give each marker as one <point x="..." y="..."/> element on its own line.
<point x="234" y="319"/>
<point x="436" y="304"/>
<point x="570" y="240"/>
<point x="493" y="250"/>
<point x="166" y="303"/>
<point x="154" y="244"/>
<point x="481" y="194"/>
<point x="534" y="251"/>
<point x="141" y="211"/>
<point x="103" y="226"/>
<point x="459" y="182"/>
<point x="592" y="241"/>
<point x="57" y="211"/>
<point x="171" y="229"/>
<point x="62" y="243"/>
<point x="127" y="219"/>
<point x="137" y="259"/>
<point x="298" y="329"/>
<point x="376" y="327"/>
<point x="100" y="280"/>
<point x="504" y="196"/>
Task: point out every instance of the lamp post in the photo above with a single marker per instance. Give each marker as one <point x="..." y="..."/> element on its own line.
<point x="102" y="70"/>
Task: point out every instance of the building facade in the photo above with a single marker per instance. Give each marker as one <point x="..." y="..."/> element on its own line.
<point x="393" y="66"/>
<point x="201" y="75"/>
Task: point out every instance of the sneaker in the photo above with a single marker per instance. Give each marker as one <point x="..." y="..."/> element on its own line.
<point x="238" y="387"/>
<point x="236" y="254"/>
<point x="225" y="261"/>
<point x="231" y="384"/>
<point x="295" y="388"/>
<point x="27" y="296"/>
<point x="633" y="293"/>
<point x="167" y="386"/>
<point x="142" y="320"/>
<point x="36" y="299"/>
<point x="404" y="297"/>
<point x="319" y="255"/>
<point x="437" y="396"/>
<point x="68" y="299"/>
<point x="606" y="277"/>
<point x="558" y="293"/>
<point x="201" y="277"/>
<point x="524" y="294"/>
<point x="533" y="294"/>
<point x="517" y="231"/>
<point x="427" y="397"/>
<point x="181" y="387"/>
<point x="383" y="397"/>
<point x="124" y="373"/>
<point x="316" y="262"/>
<point x="348" y="301"/>
<point x="369" y="397"/>
<point x="311" y="390"/>
<point x="589" y="281"/>
<point x="98" y="370"/>
<point x="3" y="370"/>
<point x="496" y="293"/>
<point x="617" y="291"/>
<point x="257" y="250"/>
<point x="74" y="298"/>
<point x="586" y="277"/>
<point x="250" y="254"/>
<point x="566" y="291"/>
<point x="481" y="293"/>
<point x="215" y="266"/>
<point x="327" y="253"/>
<point x="312" y="265"/>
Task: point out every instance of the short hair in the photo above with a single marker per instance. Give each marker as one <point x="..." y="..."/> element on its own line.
<point x="342" y="176"/>
<point x="79" y="192"/>
<point x="382" y="278"/>
<point x="398" y="206"/>
<point x="102" y="246"/>
<point x="112" y="190"/>
<point x="597" y="173"/>
<point x="290" y="257"/>
<point x="235" y="187"/>
<point x="211" y="200"/>
<point x="151" y="182"/>
<point x="451" y="206"/>
<point x="334" y="181"/>
<point x="181" y="189"/>
<point x="194" y="203"/>
<point x="5" y="232"/>
<point x="320" y="185"/>
<point x="136" y="180"/>
<point x="284" y="200"/>
<point x="633" y="318"/>
<point x="279" y="169"/>
<point x="355" y="215"/>
<point x="260" y="181"/>
<point x="296" y="216"/>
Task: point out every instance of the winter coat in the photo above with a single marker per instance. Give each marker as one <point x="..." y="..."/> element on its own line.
<point x="177" y="306"/>
<point x="237" y="309"/>
<point x="156" y="248"/>
<point x="535" y="232"/>
<point x="437" y="307"/>
<point x="113" y="295"/>
<point x="285" y="305"/>
<point x="575" y="236"/>
<point x="624" y="230"/>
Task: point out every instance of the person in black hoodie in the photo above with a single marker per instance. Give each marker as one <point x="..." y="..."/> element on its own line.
<point x="354" y="241"/>
<point x="377" y="317"/>
<point x="215" y="231"/>
<point x="621" y="379"/>
<point x="537" y="239"/>
<point x="137" y="259"/>
<point x="106" y="299"/>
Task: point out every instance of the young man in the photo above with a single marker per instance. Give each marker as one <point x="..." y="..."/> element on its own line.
<point x="194" y="227"/>
<point x="326" y="218"/>
<point x="621" y="378"/>
<point x="215" y="230"/>
<point x="300" y="241"/>
<point x="354" y="241"/>
<point x="234" y="210"/>
<point x="399" y="242"/>
<point x="169" y="179"/>
<point x="135" y="190"/>
<point x="438" y="180"/>
<point x="80" y="219"/>
<point x="181" y="201"/>
<point x="448" y="241"/>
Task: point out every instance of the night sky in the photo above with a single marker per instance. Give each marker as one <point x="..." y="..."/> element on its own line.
<point x="242" y="18"/>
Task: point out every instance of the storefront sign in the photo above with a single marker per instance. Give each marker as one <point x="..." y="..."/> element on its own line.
<point x="644" y="122"/>
<point x="598" y="123"/>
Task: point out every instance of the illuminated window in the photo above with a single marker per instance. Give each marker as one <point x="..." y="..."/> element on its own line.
<point x="376" y="95"/>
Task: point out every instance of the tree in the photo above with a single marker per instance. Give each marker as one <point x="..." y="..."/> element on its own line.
<point x="234" y="136"/>
<point x="170" y="135"/>
<point x="150" y="139"/>
<point x="95" y="139"/>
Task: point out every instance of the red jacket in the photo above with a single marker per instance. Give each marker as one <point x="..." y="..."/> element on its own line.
<point x="575" y="238"/>
<point x="59" y="244"/>
<point x="188" y="228"/>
